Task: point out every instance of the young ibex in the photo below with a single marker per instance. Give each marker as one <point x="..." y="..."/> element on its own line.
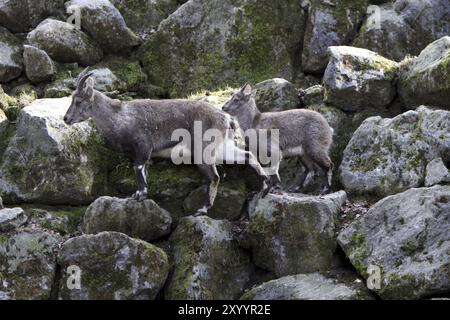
<point x="302" y="133"/>
<point x="143" y="128"/>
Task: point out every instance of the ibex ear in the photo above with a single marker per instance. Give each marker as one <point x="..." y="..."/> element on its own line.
<point x="246" y="90"/>
<point x="88" y="88"/>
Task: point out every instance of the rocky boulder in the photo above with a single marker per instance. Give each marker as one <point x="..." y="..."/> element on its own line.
<point x="208" y="263"/>
<point x="406" y="237"/>
<point x="425" y="80"/>
<point x="404" y="27"/>
<point x="104" y="23"/>
<point x="11" y="219"/>
<point x="313" y="286"/>
<point x="294" y="233"/>
<point x="144" y="220"/>
<point x="113" y="267"/>
<point x="210" y="44"/>
<point x="39" y="67"/>
<point x="357" y="78"/>
<point x="106" y="80"/>
<point x="330" y="23"/>
<point x="51" y="163"/>
<point x="65" y="43"/>
<point x="27" y="264"/>
<point x="388" y="156"/>
<point x="312" y="96"/>
<point x="65" y="220"/>
<point x="143" y="16"/>
<point x="276" y="95"/>
<point x="10" y="56"/>
<point x="21" y="15"/>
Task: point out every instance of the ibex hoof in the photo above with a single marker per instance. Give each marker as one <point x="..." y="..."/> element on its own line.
<point x="140" y="196"/>
<point x="265" y="190"/>
<point x="201" y="212"/>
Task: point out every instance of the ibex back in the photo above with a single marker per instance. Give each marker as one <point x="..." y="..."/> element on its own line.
<point x="143" y="129"/>
<point x="302" y="133"/>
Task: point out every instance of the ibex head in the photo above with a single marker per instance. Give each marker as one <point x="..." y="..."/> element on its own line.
<point x="82" y="99"/>
<point x="239" y="101"/>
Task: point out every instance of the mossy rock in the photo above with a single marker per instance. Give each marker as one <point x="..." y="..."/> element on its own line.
<point x="388" y="156"/>
<point x="189" y="52"/>
<point x="113" y="267"/>
<point x="59" y="165"/>
<point x="425" y="80"/>
<point x="357" y="78"/>
<point x="65" y="221"/>
<point x="208" y="263"/>
<point x="27" y="264"/>
<point x="405" y="238"/>
<point x="294" y="233"/>
<point x="329" y="24"/>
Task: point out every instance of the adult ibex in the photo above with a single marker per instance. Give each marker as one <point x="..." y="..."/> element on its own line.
<point x="302" y="133"/>
<point x="144" y="128"/>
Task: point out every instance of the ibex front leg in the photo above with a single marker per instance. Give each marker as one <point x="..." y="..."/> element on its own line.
<point x="140" y="165"/>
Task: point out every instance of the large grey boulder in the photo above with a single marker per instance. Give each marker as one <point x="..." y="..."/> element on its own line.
<point x="39" y="67"/>
<point x="144" y="17"/>
<point x="313" y="286"/>
<point x="387" y="156"/>
<point x="27" y="264"/>
<point x="65" y="43"/>
<point x="276" y="95"/>
<point x="404" y="27"/>
<point x="20" y="16"/>
<point x="51" y="163"/>
<point x="104" y="23"/>
<point x="208" y="44"/>
<point x="144" y="220"/>
<point x="113" y="267"/>
<point x="406" y="237"/>
<point x="208" y="263"/>
<point x="294" y="233"/>
<point x="10" y="56"/>
<point x="357" y="78"/>
<point x="11" y="219"/>
<point x="425" y="79"/>
<point x="330" y="23"/>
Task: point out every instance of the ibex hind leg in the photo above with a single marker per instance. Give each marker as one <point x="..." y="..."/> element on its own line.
<point x="324" y="162"/>
<point x="307" y="175"/>
<point x="210" y="172"/>
<point x="248" y="158"/>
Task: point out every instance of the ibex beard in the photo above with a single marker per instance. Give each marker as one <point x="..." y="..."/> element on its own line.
<point x="145" y="129"/>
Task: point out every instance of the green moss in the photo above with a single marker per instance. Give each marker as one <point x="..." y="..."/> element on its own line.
<point x="358" y="249"/>
<point x="389" y="67"/>
<point x="130" y="72"/>
<point x="187" y="257"/>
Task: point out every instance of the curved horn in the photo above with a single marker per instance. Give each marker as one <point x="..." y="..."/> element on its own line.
<point x="83" y="77"/>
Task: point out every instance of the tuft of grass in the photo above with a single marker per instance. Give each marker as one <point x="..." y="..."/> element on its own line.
<point x="217" y="98"/>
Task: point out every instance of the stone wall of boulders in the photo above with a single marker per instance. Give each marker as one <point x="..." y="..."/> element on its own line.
<point x="380" y="75"/>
